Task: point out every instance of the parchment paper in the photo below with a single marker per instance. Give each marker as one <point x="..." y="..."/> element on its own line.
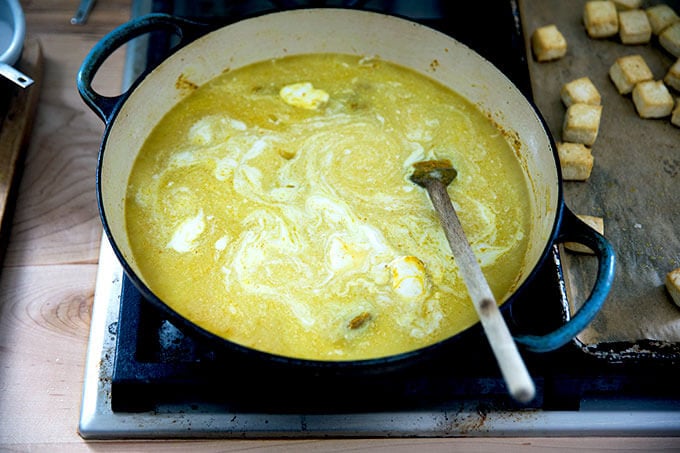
<point x="634" y="185"/>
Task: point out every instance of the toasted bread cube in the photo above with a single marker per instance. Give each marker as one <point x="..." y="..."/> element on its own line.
<point x="672" y="78"/>
<point x="652" y="99"/>
<point x="675" y="116"/>
<point x="625" y="5"/>
<point x="629" y="70"/>
<point x="660" y="17"/>
<point x="594" y="222"/>
<point x="673" y="285"/>
<point x="634" y="27"/>
<point x="670" y="39"/>
<point x="601" y="19"/>
<point x="581" y="123"/>
<point x="576" y="161"/>
<point x="548" y="43"/>
<point x="580" y="91"/>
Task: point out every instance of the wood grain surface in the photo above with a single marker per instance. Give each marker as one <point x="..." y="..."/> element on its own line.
<point x="47" y="280"/>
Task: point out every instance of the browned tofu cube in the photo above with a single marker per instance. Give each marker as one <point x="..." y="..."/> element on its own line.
<point x="628" y="71"/>
<point x="673" y="285"/>
<point x="548" y="43"/>
<point x="594" y="222"/>
<point x="625" y="5"/>
<point x="576" y="161"/>
<point x="672" y="78"/>
<point x="675" y="115"/>
<point x="661" y="16"/>
<point x="581" y="123"/>
<point x="600" y="19"/>
<point x="634" y="27"/>
<point x="670" y="39"/>
<point x="652" y="99"/>
<point x="580" y="91"/>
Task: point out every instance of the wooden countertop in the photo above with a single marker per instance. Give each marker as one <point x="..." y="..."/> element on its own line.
<point x="48" y="275"/>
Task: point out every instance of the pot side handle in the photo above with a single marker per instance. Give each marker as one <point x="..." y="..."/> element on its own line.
<point x="105" y="106"/>
<point x="573" y="229"/>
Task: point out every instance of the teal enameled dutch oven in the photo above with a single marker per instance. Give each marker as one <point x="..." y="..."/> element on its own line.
<point x="204" y="53"/>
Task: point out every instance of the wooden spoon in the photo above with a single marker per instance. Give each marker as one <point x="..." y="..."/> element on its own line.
<point x="435" y="176"/>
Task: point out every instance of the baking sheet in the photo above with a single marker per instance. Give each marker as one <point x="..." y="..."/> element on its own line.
<point x="634" y="185"/>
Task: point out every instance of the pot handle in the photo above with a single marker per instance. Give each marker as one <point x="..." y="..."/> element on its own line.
<point x="104" y="106"/>
<point x="573" y="229"/>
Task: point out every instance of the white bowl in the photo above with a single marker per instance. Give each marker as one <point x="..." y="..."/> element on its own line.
<point x="12" y="31"/>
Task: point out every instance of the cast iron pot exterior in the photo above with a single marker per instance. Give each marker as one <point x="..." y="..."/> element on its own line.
<point x="204" y="54"/>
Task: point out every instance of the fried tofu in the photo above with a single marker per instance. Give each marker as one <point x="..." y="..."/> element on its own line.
<point x="672" y="78"/>
<point x="576" y="161"/>
<point x="661" y="16"/>
<point x="634" y="27"/>
<point x="580" y="91"/>
<point x="594" y="222"/>
<point x="670" y="39"/>
<point x="627" y="71"/>
<point x="581" y="123"/>
<point x="548" y="43"/>
<point x="600" y="19"/>
<point x="675" y="115"/>
<point x="652" y="99"/>
<point x="673" y="285"/>
<point x="625" y="5"/>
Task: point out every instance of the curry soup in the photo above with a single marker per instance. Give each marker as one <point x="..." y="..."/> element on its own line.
<point x="273" y="207"/>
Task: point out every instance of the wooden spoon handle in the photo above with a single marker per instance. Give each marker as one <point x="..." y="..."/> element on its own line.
<point x="514" y="371"/>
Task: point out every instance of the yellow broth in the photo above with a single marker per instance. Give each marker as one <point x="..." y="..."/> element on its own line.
<point x="273" y="207"/>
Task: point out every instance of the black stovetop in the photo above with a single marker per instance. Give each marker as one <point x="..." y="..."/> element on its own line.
<point x="156" y="363"/>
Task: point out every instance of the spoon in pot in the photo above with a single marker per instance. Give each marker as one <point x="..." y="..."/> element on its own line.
<point x="435" y="176"/>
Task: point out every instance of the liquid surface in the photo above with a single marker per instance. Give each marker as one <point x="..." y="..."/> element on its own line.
<point x="273" y="207"/>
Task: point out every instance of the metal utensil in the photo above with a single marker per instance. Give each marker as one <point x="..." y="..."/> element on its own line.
<point x="83" y="12"/>
<point x="15" y="75"/>
<point x="435" y="176"/>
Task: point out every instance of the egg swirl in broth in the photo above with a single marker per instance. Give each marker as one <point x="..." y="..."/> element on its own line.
<point x="273" y="207"/>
